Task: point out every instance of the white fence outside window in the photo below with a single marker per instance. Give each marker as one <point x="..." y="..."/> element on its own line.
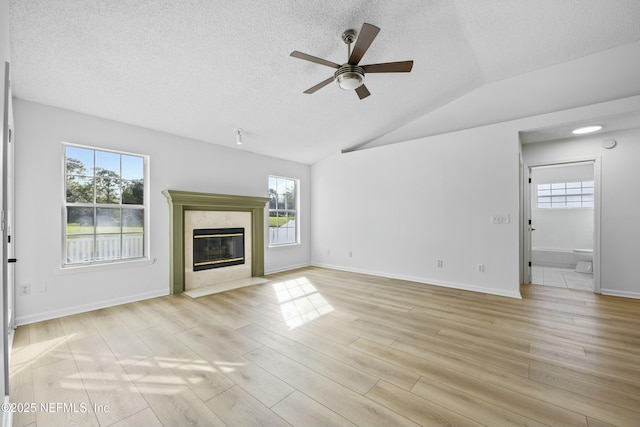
<point x="82" y="249"/>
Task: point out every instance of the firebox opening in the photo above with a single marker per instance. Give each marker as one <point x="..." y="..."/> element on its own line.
<point x="217" y="247"/>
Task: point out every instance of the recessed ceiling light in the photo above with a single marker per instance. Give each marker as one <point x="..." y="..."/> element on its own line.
<point x="586" y="129"/>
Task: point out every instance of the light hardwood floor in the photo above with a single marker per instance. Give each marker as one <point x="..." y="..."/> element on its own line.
<point x="318" y="347"/>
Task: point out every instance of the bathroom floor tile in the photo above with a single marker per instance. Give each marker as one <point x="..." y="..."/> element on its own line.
<point x="561" y="278"/>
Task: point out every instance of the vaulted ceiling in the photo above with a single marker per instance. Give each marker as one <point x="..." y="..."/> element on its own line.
<point x="203" y="68"/>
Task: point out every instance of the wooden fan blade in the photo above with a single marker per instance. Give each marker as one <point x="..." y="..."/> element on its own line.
<point x="319" y="85"/>
<point x="363" y="92"/>
<point x="389" y="67"/>
<point x="367" y="34"/>
<point x="320" y="61"/>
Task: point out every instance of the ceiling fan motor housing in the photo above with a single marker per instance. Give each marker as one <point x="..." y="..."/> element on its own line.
<point x="349" y="77"/>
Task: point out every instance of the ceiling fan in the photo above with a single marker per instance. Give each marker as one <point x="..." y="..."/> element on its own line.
<point x="351" y="75"/>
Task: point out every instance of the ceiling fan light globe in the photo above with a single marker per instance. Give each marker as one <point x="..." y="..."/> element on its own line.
<point x="349" y="77"/>
<point x="350" y="81"/>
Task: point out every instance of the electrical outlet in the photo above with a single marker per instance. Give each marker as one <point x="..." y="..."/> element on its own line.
<point x="350" y="254"/>
<point x="440" y="263"/>
<point x="480" y="268"/>
<point x="25" y="289"/>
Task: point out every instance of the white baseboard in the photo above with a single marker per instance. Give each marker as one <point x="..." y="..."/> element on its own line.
<point x="7" y="416"/>
<point x="54" y="314"/>
<point x="287" y="268"/>
<point x="625" y="294"/>
<point x="426" y="281"/>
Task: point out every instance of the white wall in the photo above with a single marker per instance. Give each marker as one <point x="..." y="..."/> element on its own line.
<point x="399" y="208"/>
<point x="175" y="163"/>
<point x="620" y="201"/>
<point x="4" y="31"/>
<point x="567" y="228"/>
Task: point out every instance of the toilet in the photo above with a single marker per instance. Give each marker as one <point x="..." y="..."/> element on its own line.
<point x="585" y="260"/>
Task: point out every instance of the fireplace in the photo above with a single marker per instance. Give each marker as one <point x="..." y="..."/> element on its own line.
<point x="189" y="211"/>
<point x="217" y="247"/>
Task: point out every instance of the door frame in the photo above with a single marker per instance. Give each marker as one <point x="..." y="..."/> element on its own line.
<point x="6" y="197"/>
<point x="597" y="208"/>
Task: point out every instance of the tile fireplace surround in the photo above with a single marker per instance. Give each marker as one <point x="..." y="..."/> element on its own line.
<point x="183" y="201"/>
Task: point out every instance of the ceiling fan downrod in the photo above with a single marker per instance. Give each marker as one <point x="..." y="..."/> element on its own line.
<point x="349" y="37"/>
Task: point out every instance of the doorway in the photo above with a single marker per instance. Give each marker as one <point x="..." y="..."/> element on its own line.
<point x="563" y="233"/>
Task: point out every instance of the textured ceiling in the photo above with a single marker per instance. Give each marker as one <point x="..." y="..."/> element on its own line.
<point x="202" y="68"/>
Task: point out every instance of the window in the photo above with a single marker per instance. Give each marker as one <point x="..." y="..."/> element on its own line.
<point x="283" y="211"/>
<point x="565" y="195"/>
<point x="104" y="206"/>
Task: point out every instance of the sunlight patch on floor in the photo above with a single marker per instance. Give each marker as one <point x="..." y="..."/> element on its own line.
<point x="300" y="302"/>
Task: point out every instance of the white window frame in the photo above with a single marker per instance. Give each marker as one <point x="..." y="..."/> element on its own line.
<point x="296" y="211"/>
<point x="105" y="264"/>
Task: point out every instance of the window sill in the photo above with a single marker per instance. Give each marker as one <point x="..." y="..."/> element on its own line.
<point x="115" y="265"/>
<point x="283" y="245"/>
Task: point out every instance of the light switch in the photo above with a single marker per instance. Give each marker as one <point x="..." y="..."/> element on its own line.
<point x="500" y="219"/>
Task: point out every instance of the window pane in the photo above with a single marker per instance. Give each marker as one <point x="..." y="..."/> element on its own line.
<point x="79" y="161"/>
<point x="558" y="191"/>
<point x="587" y="198"/>
<point x="587" y="184"/>
<point x="79" y="189"/>
<point x="108" y="190"/>
<point x="574" y="184"/>
<point x="273" y="194"/>
<point x="132" y="167"/>
<point x="544" y="187"/>
<point x="544" y="199"/>
<point x="79" y="220"/>
<point x="273" y="218"/>
<point x="132" y="220"/>
<point x="107" y="247"/>
<point x="558" y="185"/>
<point x="574" y="190"/>
<point x="107" y="220"/>
<point x="574" y="199"/>
<point x="80" y="248"/>
<point x="558" y="199"/>
<point x="133" y="192"/>
<point x="291" y="194"/>
<point x="108" y="163"/>
<point x="290" y="220"/>
<point x="574" y="204"/>
<point x="544" y="192"/>
<point x="132" y="245"/>
<point x="587" y="190"/>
